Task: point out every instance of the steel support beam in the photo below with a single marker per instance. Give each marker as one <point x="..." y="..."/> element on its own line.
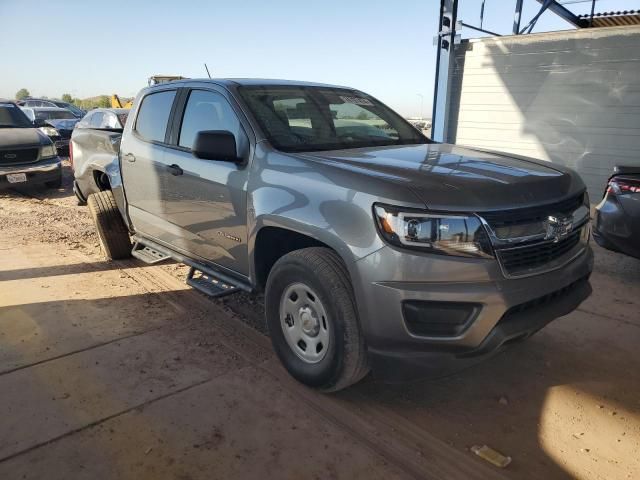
<point x="566" y="14"/>
<point x="444" y="68"/>
<point x="517" y="17"/>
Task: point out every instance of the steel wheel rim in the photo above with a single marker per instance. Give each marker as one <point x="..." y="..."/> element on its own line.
<point x="304" y="323"/>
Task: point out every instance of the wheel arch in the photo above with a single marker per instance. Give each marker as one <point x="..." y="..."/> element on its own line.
<point x="275" y="239"/>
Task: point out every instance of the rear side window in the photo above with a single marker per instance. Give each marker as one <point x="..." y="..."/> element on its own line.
<point x="110" y="121"/>
<point x="207" y="110"/>
<point x="96" y="120"/>
<point x="153" y="115"/>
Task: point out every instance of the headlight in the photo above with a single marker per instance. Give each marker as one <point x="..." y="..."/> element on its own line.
<point x="460" y="235"/>
<point x="49" y="131"/>
<point x="48" y="151"/>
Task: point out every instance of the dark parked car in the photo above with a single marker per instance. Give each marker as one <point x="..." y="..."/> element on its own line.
<point x="46" y="102"/>
<point x="617" y="222"/>
<point x="27" y="156"/>
<point x="56" y="123"/>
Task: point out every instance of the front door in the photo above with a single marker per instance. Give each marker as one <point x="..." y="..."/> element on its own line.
<point x="207" y="200"/>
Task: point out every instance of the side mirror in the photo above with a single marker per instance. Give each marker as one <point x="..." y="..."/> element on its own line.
<point x="39" y="122"/>
<point x="215" y="145"/>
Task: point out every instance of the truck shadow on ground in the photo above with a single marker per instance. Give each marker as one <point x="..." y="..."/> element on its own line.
<point x="68" y="269"/>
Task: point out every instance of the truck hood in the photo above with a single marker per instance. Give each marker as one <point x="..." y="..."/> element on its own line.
<point x="455" y="178"/>
<point x="21" y="137"/>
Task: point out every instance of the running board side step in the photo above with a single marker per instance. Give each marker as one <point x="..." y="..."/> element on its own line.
<point x="148" y="254"/>
<point x="206" y="279"/>
<point x="209" y="284"/>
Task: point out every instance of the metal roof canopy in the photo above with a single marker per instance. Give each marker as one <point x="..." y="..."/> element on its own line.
<point x="448" y="36"/>
<point x="614" y="19"/>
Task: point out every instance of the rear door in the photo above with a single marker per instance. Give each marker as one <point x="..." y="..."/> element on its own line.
<point x="207" y="199"/>
<point x="144" y="171"/>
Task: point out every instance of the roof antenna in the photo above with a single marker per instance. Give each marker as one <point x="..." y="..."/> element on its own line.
<point x="207" y="68"/>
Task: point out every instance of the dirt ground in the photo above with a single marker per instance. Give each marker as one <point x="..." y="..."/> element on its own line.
<point x="118" y="370"/>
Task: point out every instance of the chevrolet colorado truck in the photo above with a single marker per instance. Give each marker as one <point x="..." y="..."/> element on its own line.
<point x="371" y="242"/>
<point x="27" y="155"/>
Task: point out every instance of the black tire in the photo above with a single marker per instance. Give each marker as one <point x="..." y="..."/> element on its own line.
<point x="76" y="190"/>
<point x="57" y="183"/>
<point x="321" y="269"/>
<point x="112" y="232"/>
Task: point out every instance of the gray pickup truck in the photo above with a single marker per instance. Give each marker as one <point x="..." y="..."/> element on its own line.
<point x="371" y="242"/>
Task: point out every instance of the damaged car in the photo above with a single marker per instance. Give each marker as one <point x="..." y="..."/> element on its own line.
<point x="56" y="123"/>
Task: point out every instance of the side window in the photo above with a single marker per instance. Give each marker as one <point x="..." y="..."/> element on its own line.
<point x="153" y="115"/>
<point x="208" y="110"/>
<point x="96" y="120"/>
<point x="109" y="121"/>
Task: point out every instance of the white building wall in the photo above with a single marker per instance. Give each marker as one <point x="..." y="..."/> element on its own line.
<point x="570" y="97"/>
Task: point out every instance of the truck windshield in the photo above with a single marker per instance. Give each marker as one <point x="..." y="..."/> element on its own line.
<point x="12" y="117"/>
<point x="305" y="118"/>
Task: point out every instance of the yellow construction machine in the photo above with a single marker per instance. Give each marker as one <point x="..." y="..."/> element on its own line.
<point x="117" y="103"/>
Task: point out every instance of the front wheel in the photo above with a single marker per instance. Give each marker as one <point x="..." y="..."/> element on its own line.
<point x="313" y="321"/>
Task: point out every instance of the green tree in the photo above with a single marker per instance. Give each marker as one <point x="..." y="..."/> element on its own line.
<point x="104" y="101"/>
<point x="363" y="116"/>
<point x="66" y="97"/>
<point x="22" y="93"/>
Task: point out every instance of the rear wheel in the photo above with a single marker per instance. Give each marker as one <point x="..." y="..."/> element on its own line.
<point x="312" y="319"/>
<point x="112" y="232"/>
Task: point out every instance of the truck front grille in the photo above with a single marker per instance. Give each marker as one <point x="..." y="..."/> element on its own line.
<point x="17" y="156"/>
<point x="523" y="243"/>
<point x="530" y="215"/>
<point x="523" y="259"/>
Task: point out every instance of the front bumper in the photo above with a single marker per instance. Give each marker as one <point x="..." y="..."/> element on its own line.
<point x="37" y="173"/>
<point x="503" y="309"/>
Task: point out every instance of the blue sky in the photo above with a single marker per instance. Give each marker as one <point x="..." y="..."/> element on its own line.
<point x="87" y="47"/>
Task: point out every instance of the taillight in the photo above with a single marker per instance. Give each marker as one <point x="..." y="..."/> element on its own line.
<point x="71" y="153"/>
<point x="622" y="186"/>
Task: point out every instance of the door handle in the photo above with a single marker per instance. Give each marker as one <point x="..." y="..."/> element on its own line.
<point x="130" y="157"/>
<point x="175" y="170"/>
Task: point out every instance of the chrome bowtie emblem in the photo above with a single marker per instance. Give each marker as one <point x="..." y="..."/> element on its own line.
<point x="10" y="156"/>
<point x="558" y="227"/>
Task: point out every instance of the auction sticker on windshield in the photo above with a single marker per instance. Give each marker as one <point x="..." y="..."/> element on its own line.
<point x="16" y="177"/>
<point x="357" y="101"/>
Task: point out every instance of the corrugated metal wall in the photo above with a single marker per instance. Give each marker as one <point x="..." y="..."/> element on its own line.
<point x="569" y="97"/>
